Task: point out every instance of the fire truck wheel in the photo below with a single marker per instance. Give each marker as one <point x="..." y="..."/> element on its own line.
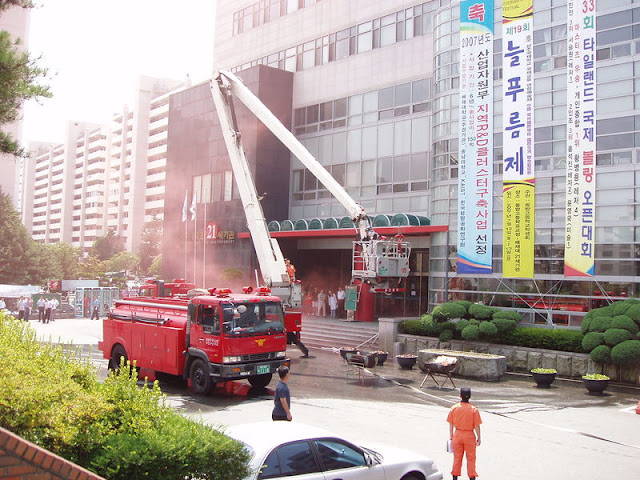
<point x="200" y="379"/>
<point x="260" y="381"/>
<point x="118" y="353"/>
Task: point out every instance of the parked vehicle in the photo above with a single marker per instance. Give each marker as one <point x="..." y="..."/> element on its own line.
<point x="285" y="449"/>
<point x="206" y="339"/>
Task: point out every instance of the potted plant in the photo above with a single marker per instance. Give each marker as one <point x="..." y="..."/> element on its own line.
<point x="382" y="357"/>
<point x="347" y="350"/>
<point x="595" y="383"/>
<point x="406" y="360"/>
<point x="544" y="377"/>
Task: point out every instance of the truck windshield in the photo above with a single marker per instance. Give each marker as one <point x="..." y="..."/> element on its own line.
<point x="253" y="318"/>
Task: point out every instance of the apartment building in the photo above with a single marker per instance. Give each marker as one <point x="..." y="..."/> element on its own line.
<point x="103" y="178"/>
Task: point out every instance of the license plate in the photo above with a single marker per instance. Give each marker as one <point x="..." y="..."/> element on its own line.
<point x="263" y="369"/>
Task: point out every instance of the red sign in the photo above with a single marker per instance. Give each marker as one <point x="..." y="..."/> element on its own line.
<point x="54" y="285"/>
<point x="212" y="230"/>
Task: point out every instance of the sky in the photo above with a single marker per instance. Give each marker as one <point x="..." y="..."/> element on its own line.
<point x="96" y="49"/>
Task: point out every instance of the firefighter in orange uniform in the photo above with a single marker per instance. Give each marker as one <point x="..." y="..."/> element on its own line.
<point x="465" y="418"/>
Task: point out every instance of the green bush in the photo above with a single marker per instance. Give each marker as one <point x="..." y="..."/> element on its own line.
<point x="586" y="322"/>
<point x="614" y="336"/>
<point x="634" y="313"/>
<point x="460" y="324"/>
<point x="445" y="335"/>
<point x="116" y="429"/>
<point x="625" y="322"/>
<point x="507" y="314"/>
<point x="627" y="352"/>
<point x="603" y="312"/>
<point x="620" y="308"/>
<point x="592" y="340"/>
<point x="600" y="324"/>
<point x="504" y="325"/>
<point x="415" y="327"/>
<point x="481" y="312"/>
<point x="488" y="329"/>
<point x="556" y="339"/>
<point x="601" y="354"/>
<point x="471" y="332"/>
<point x="473" y="321"/>
<point x="465" y="303"/>
<point x="449" y="310"/>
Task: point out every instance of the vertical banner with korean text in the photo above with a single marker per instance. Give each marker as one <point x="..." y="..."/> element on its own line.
<point x="518" y="188"/>
<point x="579" y="247"/>
<point x="475" y="174"/>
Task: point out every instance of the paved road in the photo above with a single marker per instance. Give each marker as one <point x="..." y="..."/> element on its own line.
<point x="528" y="433"/>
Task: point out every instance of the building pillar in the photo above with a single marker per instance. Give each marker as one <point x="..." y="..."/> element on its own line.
<point x="388" y="332"/>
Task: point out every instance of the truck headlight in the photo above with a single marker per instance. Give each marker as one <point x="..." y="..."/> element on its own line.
<point x="281" y="354"/>
<point x="231" y="359"/>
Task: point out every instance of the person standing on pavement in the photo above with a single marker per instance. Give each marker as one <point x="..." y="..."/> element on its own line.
<point x="21" y="308"/>
<point x="333" y="304"/>
<point x="27" y="308"/>
<point x="322" y="304"/>
<point x="282" y="398"/>
<point x="96" y="309"/>
<point x="464" y="419"/>
<point x="48" y="306"/>
<point x="40" y="305"/>
<point x="340" y="295"/>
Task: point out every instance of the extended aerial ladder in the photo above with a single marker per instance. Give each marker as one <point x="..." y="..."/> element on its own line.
<point x="376" y="260"/>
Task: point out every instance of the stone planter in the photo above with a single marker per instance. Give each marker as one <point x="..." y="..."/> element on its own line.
<point x="347" y="350"/>
<point x="382" y="357"/>
<point x="406" y="361"/>
<point x="543" y="380"/>
<point x="483" y="366"/>
<point x="595" y="387"/>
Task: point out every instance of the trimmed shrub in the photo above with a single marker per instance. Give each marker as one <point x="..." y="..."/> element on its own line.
<point x="446" y="335"/>
<point x="614" y="336"/>
<point x="603" y="312"/>
<point x="473" y="321"/>
<point x="460" y="324"/>
<point x="586" y="322"/>
<point x="481" y="312"/>
<point x="415" y="327"/>
<point x="600" y="324"/>
<point x="625" y="322"/>
<point x="532" y="337"/>
<point x="449" y="310"/>
<point x="601" y="354"/>
<point x="592" y="340"/>
<point x="507" y="314"/>
<point x="471" y="332"/>
<point x="488" y="329"/>
<point x="620" y="308"/>
<point x="634" y="313"/>
<point x="465" y="303"/>
<point x="504" y="325"/>
<point x="627" y="352"/>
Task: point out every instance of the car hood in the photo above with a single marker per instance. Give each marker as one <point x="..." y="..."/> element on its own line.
<point x="392" y="457"/>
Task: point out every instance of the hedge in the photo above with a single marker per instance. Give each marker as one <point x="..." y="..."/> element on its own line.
<point x="592" y="340"/>
<point x="600" y="324"/>
<point x="470" y="332"/>
<point x="481" y="312"/>
<point x="625" y="322"/>
<point x="614" y="336"/>
<point x="449" y="310"/>
<point x="53" y="398"/>
<point x="488" y="329"/>
<point x="601" y="354"/>
<point x="626" y="352"/>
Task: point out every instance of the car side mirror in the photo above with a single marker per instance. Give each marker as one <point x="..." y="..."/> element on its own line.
<point x="369" y="460"/>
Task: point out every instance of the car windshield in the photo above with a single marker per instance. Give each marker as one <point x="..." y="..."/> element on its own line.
<point x="251" y="318"/>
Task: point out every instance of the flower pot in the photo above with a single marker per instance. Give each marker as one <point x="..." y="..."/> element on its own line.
<point x="595" y="386"/>
<point x="543" y="380"/>
<point x="382" y="357"/>
<point x="406" y="362"/>
<point x="347" y="350"/>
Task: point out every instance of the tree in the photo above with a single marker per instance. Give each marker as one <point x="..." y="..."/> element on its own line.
<point x="124" y="261"/>
<point x="150" y="243"/>
<point x="91" y="268"/>
<point x="106" y="247"/>
<point x="15" y="244"/>
<point x="66" y="260"/>
<point x="156" y="266"/>
<point x="19" y="75"/>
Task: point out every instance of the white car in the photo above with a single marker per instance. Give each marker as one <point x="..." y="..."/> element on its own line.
<point x="292" y="450"/>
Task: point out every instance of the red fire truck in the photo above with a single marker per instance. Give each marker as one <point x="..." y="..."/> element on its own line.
<point x="207" y="338"/>
<point x="158" y="288"/>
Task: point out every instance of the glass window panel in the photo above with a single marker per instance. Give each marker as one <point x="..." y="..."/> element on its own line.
<point x="420" y="135"/>
<point x="402" y="137"/>
<point x="401" y="168"/>
<point x="615" y="72"/>
<point x="385" y="98"/>
<point x="368" y="173"/>
<point x="228" y="186"/>
<point x="365" y="42"/>
<point x="622" y="158"/>
<point x="310" y="181"/>
<point x="337" y="172"/>
<point x="326" y="111"/>
<point x="421" y="91"/>
<point x="369" y="143"/>
<point x="615" y="125"/>
<point x="385" y="170"/>
<point x="325" y="149"/>
<point x="355" y="105"/>
<point x="352" y="175"/>
<point x="617" y="196"/>
<point x="339" y="147"/>
<point x="622" y="34"/>
<point x="611" y="142"/>
<point x="370" y="102"/>
<point x="385" y="140"/>
<point x="299" y="116"/>
<point x="615" y="89"/>
<point x="615" y="180"/>
<point x="340" y="108"/>
<point x="354" y="145"/>
<point x="402" y="94"/>
<point x="419" y="167"/>
<point x="312" y="113"/>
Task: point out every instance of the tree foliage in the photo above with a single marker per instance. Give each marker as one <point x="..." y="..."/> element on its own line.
<point x="124" y="261"/>
<point x="19" y="80"/>
<point x="106" y="247"/>
<point x="15" y="244"/>
<point x="150" y="245"/>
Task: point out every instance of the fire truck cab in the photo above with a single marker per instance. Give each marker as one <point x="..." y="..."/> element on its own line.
<point x="206" y="339"/>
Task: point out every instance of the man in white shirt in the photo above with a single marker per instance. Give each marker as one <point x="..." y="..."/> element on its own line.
<point x="340" y="295"/>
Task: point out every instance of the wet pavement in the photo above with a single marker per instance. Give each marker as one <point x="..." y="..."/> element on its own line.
<point x="528" y="432"/>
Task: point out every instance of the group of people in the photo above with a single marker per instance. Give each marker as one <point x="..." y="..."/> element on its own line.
<point x="318" y="301"/>
<point x="46" y="309"/>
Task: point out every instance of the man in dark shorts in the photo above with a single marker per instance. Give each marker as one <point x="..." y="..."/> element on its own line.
<point x="282" y="399"/>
